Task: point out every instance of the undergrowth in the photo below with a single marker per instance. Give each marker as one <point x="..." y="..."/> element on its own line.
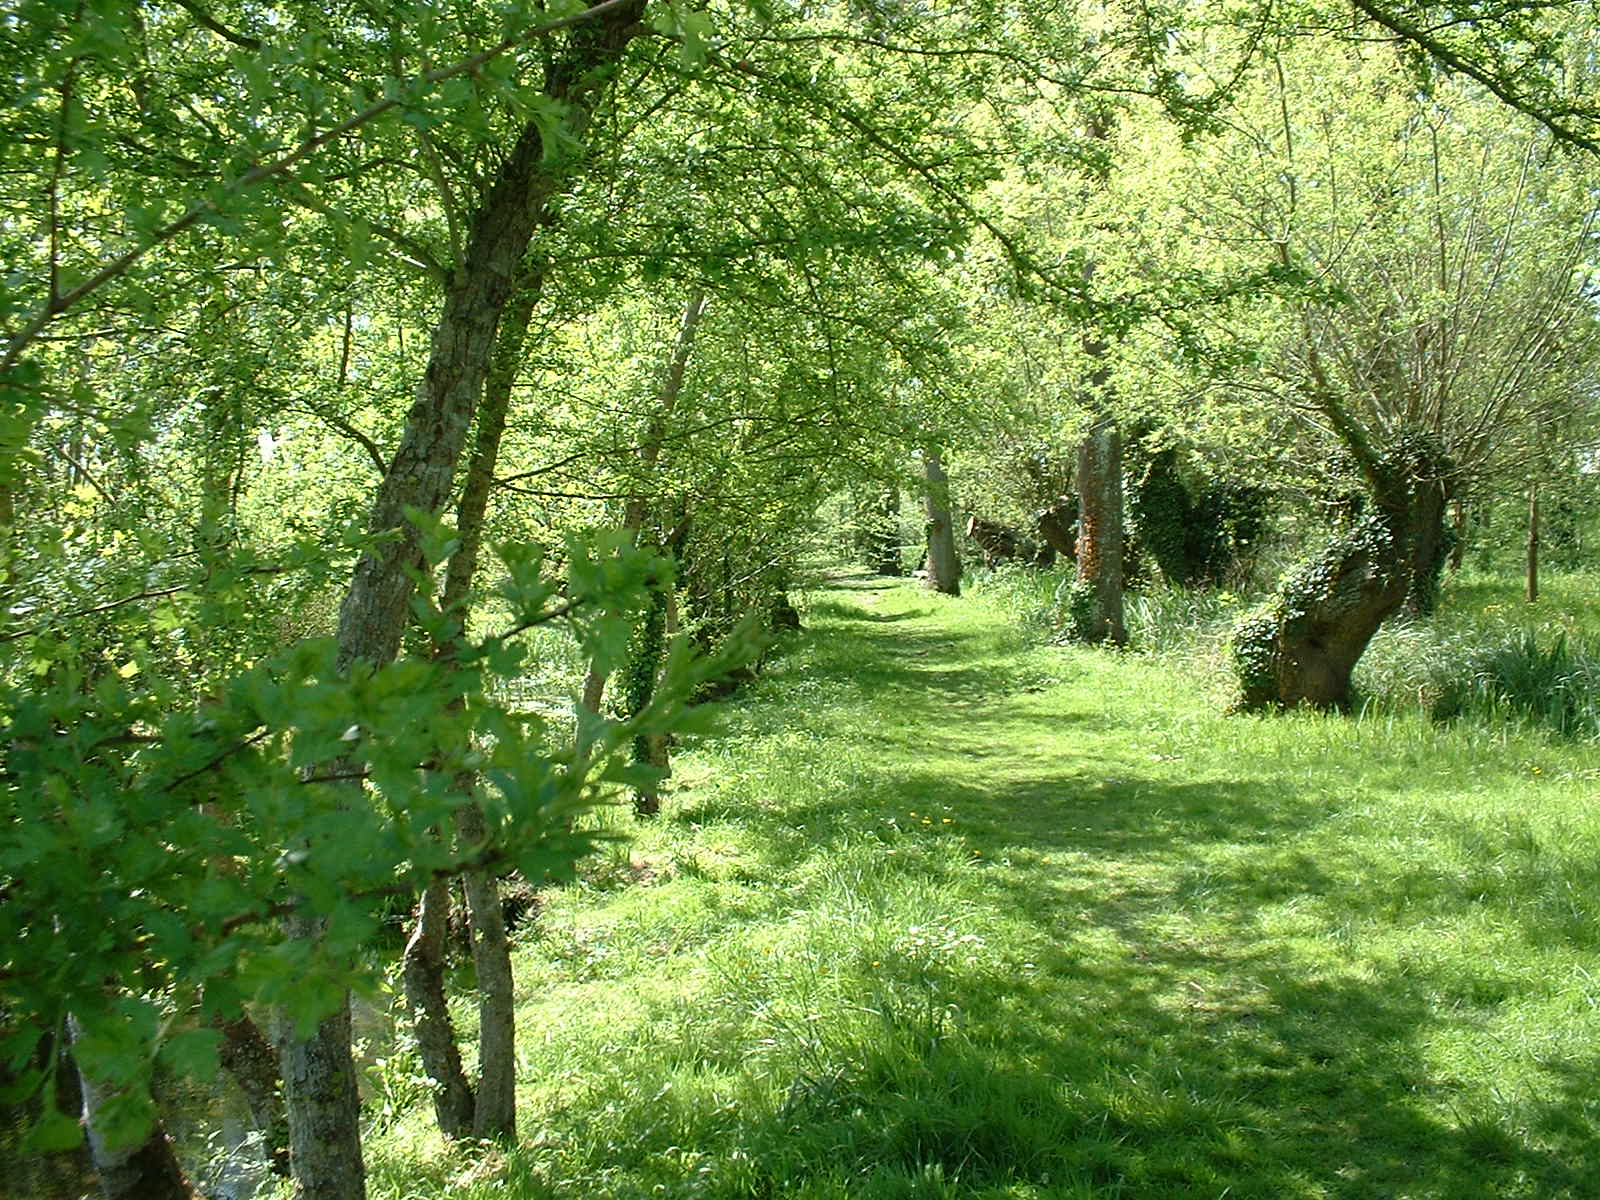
<point x="1486" y="657"/>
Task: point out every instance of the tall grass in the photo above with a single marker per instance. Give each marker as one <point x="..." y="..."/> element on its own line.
<point x="1490" y="657"/>
<point x="1486" y="656"/>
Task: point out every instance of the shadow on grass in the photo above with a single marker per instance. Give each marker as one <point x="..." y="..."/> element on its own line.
<point x="1135" y="1055"/>
<point x="1170" y="1067"/>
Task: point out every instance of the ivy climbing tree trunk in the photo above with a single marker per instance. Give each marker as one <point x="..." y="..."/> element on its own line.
<point x="944" y="565"/>
<point x="1305" y="647"/>
<point x="319" y="1075"/>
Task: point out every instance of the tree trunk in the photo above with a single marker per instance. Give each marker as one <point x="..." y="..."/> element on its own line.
<point x="649" y="749"/>
<point x="495" y="1114"/>
<point x="1533" y="542"/>
<point x="148" y="1171"/>
<point x="1100" y="534"/>
<point x="319" y="1076"/>
<point x="944" y="566"/>
<point x="422" y="973"/>
<point x="636" y="508"/>
<point x="1458" y="548"/>
<point x="1058" y="526"/>
<point x="320" y="1097"/>
<point x="252" y="1061"/>
<point x="1305" y="649"/>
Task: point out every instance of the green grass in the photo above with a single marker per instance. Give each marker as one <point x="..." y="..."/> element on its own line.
<point x="947" y="915"/>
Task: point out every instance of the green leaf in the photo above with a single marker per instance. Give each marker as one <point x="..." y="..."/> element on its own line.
<point x="53" y="1132"/>
<point x="194" y="1053"/>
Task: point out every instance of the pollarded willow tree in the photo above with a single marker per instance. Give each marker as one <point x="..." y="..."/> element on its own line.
<point x="1440" y="309"/>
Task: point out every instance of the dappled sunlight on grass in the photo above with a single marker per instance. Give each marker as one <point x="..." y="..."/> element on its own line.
<point x="944" y="915"/>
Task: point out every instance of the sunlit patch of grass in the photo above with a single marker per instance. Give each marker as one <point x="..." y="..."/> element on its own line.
<point x="949" y="914"/>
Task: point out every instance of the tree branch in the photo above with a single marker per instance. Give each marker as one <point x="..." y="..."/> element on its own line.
<point x="355" y="435"/>
<point x="1452" y="60"/>
<point x="207" y="21"/>
<point x="35" y="324"/>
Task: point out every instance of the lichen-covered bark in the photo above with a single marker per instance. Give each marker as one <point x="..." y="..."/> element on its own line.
<point x="944" y="566"/>
<point x="1100" y="530"/>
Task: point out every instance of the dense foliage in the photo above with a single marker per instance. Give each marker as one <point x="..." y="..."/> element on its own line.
<point x="380" y="383"/>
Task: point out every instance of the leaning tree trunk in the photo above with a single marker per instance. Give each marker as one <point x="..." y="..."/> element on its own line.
<point x="318" y="1072"/>
<point x="1304" y="649"/>
<point x="944" y="566"/>
<point x="147" y="1171"/>
<point x="1100" y="534"/>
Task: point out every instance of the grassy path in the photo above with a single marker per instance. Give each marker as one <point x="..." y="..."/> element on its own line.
<point x="944" y="916"/>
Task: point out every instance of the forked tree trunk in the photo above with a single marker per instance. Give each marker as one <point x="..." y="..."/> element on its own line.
<point x="1100" y="534"/>
<point x="944" y="565"/>
<point x="148" y="1171"/>
<point x="319" y="1075"/>
<point x="487" y="1110"/>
